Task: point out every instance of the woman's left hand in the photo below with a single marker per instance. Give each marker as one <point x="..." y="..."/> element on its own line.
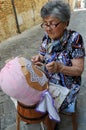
<point x="75" y="70"/>
<point x="54" y="67"/>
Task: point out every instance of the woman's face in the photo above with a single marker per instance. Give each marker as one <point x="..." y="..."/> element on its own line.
<point x="54" y="27"/>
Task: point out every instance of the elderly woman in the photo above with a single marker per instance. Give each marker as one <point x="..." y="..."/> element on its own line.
<point x="61" y="50"/>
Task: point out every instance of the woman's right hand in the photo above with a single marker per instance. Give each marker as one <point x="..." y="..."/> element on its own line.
<point x="37" y="60"/>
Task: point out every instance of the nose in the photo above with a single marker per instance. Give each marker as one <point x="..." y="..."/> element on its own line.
<point x="48" y="27"/>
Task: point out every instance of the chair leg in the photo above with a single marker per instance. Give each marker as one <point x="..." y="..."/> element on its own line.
<point x="74" y="121"/>
<point x="18" y="122"/>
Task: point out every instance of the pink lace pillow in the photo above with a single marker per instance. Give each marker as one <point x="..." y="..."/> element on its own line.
<point x="20" y="79"/>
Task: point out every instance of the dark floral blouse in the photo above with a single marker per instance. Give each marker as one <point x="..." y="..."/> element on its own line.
<point x="70" y="46"/>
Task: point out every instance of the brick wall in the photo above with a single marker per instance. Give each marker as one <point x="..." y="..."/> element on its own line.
<point x="27" y="12"/>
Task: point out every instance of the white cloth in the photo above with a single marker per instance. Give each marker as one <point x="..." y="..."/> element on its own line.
<point x="47" y="105"/>
<point x="58" y="93"/>
<point x="52" y="100"/>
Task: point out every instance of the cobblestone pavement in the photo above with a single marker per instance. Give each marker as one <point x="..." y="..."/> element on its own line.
<point x="27" y="44"/>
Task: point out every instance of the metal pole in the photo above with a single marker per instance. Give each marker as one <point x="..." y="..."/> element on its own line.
<point x="15" y="13"/>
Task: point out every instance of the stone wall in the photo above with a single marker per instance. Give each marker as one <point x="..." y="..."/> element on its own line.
<point x="71" y="3"/>
<point x="18" y="15"/>
<point x="7" y="20"/>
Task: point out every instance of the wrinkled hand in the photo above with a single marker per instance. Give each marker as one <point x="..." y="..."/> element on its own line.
<point x="54" y="67"/>
<point x="36" y="60"/>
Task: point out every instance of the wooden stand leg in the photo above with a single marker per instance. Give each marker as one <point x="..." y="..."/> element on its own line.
<point x="50" y="124"/>
<point x="18" y="122"/>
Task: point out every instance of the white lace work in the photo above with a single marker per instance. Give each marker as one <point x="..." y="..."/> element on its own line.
<point x="34" y="77"/>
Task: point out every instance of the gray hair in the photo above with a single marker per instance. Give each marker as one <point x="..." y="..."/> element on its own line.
<point x="56" y="9"/>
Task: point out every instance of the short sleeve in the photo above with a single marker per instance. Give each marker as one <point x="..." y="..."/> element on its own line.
<point x="78" y="49"/>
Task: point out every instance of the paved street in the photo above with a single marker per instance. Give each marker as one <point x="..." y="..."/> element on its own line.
<point x="27" y="45"/>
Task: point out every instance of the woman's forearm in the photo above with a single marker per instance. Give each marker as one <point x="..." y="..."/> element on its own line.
<point x="75" y="70"/>
<point x="71" y="71"/>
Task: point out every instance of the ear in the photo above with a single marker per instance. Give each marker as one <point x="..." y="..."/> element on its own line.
<point x="67" y="23"/>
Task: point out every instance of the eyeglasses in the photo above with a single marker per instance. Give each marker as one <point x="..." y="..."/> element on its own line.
<point x="52" y="26"/>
